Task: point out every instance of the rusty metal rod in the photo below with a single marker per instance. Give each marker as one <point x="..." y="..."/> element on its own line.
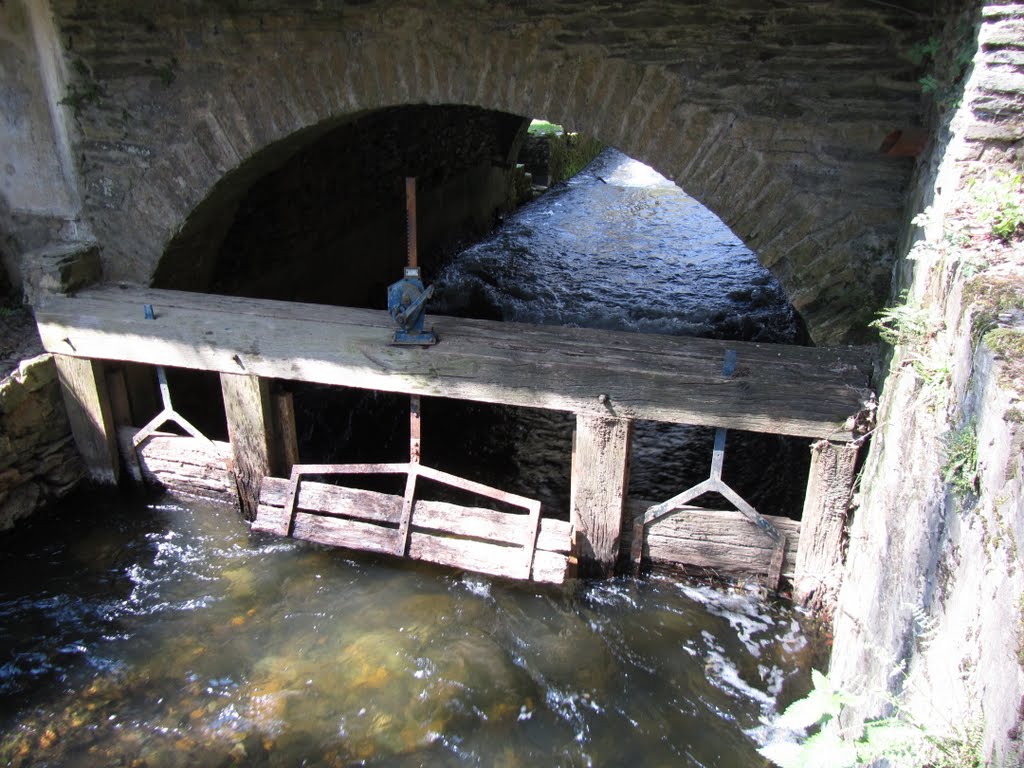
<point x="410" y="220"/>
<point x="410" y="246"/>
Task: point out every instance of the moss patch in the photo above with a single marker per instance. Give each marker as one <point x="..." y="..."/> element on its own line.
<point x="988" y="296"/>
<point x="1008" y="345"/>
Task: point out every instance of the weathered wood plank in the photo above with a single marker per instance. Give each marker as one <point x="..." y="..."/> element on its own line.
<point x="287" y="442"/>
<point x="344" y="532"/>
<point x="182" y="464"/>
<point x="467" y="554"/>
<point x="725" y="542"/>
<point x="486" y="558"/>
<point x="600" y="474"/>
<point x="778" y="389"/>
<point x="249" y="412"/>
<point x="84" y="388"/>
<point x="554" y="536"/>
<point x="819" y="564"/>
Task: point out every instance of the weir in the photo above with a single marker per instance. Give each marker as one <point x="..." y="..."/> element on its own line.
<point x="607" y="379"/>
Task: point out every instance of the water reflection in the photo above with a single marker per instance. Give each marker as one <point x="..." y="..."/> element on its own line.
<point x="164" y="634"/>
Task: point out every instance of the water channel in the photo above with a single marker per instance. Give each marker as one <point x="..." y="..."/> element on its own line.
<point x="153" y="632"/>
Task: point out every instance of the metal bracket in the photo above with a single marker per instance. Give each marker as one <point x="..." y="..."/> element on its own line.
<point x="168" y="413"/>
<point x="715" y="484"/>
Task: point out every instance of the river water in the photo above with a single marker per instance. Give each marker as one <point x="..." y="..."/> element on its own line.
<point x="162" y="632"/>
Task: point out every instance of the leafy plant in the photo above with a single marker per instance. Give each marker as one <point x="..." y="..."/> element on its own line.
<point x="999" y="202"/>
<point x="899" y="737"/>
<point x="961" y="468"/>
<point x="902" y="323"/>
<point x="826" y="747"/>
<point x="80" y="95"/>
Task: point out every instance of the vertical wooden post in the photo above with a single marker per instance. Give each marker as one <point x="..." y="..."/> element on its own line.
<point x="84" y="387"/>
<point x="819" y="557"/>
<point x="600" y="474"/>
<point x="249" y="411"/>
<point x="287" y="438"/>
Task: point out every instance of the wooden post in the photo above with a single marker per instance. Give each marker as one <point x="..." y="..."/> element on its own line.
<point x="819" y="558"/>
<point x="84" y="387"/>
<point x="287" y="453"/>
<point x="249" y="411"/>
<point x="600" y="474"/>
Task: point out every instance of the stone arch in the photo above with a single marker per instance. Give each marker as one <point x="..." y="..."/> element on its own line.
<point x="807" y="190"/>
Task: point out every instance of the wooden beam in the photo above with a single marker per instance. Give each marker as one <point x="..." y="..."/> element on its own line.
<point x="249" y="411"/>
<point x="779" y="389"/>
<point x="723" y="543"/>
<point x="819" y="562"/>
<point x="600" y="474"/>
<point x="84" y="387"/>
<point x="287" y="442"/>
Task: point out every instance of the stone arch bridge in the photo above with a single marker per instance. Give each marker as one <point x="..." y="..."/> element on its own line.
<point x="144" y="128"/>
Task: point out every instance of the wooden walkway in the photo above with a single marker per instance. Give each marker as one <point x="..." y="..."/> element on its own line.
<point x="787" y="390"/>
<point x="607" y="379"/>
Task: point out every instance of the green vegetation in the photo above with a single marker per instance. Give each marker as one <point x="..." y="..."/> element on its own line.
<point x="900" y="737"/>
<point x="1020" y="631"/>
<point x="999" y="203"/>
<point x="1008" y="344"/>
<point x="544" y="127"/>
<point x="960" y="471"/>
<point x="84" y="93"/>
<point x="944" y="63"/>
<point x="570" y="154"/>
<point x="912" y="327"/>
<point x="166" y="73"/>
<point x="902" y="324"/>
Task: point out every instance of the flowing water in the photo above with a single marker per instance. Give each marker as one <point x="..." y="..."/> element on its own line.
<point x="162" y="632"/>
<point x="165" y="634"/>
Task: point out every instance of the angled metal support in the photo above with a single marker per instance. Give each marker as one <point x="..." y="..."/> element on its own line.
<point x="168" y="413"/>
<point x="714" y="484"/>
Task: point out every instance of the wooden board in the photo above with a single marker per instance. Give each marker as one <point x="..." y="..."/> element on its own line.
<point x="249" y="412"/>
<point x="723" y="542"/>
<point x="819" y="565"/>
<point x="600" y="474"/>
<point x="83" y="385"/>
<point x="181" y="464"/>
<point x="778" y="389"/>
<point x="475" y="539"/>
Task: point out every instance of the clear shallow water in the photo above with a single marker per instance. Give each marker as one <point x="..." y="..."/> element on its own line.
<point x="165" y="634"/>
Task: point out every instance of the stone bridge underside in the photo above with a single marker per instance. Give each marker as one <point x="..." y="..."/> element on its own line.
<point x="770" y="113"/>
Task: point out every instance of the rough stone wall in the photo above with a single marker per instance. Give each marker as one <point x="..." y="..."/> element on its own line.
<point x="39" y="200"/>
<point x="772" y="115"/>
<point x="38" y="459"/>
<point x="930" y="610"/>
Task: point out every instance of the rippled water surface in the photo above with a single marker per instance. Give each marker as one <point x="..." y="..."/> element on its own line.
<point x="165" y="634"/>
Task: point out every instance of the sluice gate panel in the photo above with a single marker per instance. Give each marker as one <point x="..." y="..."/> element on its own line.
<point x="608" y="379"/>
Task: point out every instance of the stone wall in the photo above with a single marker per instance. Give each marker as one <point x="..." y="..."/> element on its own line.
<point x="931" y="610"/>
<point x="38" y="459"/>
<point x="39" y="187"/>
<point x="771" y="115"/>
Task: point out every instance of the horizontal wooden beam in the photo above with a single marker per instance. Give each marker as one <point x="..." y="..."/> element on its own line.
<point x="780" y="389"/>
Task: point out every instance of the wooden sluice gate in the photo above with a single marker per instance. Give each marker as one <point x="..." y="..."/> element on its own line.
<point x="607" y="379"/>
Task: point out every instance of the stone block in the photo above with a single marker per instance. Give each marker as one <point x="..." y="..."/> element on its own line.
<point x="63" y="268"/>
